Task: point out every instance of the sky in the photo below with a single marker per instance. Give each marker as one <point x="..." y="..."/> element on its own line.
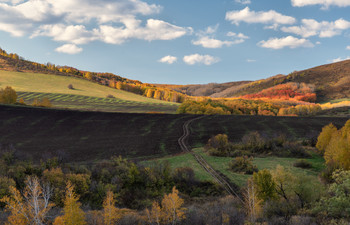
<point x="179" y="41"/>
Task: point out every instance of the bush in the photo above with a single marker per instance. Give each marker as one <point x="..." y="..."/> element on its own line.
<point x="70" y="86"/>
<point x="110" y="96"/>
<point x="243" y="165"/>
<point x="302" y="163"/>
<point x="254" y="141"/>
<point x="45" y="102"/>
<point x="21" y="101"/>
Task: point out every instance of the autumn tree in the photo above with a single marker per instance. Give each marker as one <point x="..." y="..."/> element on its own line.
<point x="155" y="214"/>
<point x="337" y="150"/>
<point x="325" y="137"/>
<point x="172" y="207"/>
<point x="32" y="207"/>
<point x="88" y="76"/>
<point x="111" y="214"/>
<point x="8" y="95"/>
<point x="73" y="214"/>
<point x="170" y="212"/>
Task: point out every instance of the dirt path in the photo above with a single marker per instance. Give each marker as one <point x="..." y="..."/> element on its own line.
<point x="217" y="177"/>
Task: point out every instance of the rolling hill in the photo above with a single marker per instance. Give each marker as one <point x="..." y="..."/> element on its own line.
<point x="331" y="81"/>
<point x="85" y="95"/>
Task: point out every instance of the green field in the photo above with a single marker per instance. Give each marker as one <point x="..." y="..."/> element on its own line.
<point x="221" y="164"/>
<point x="86" y="95"/>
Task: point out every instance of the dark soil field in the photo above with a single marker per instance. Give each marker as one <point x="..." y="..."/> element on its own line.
<point x="90" y="136"/>
<point x="237" y="126"/>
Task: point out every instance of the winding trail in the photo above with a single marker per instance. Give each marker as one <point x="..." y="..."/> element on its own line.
<point x="217" y="177"/>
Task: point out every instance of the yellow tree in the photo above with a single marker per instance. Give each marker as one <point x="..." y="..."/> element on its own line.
<point x="73" y="214"/>
<point x="337" y="153"/>
<point x="172" y="210"/>
<point x="325" y="136"/>
<point x="15" y="205"/>
<point x="8" y="95"/>
<point x="32" y="207"/>
<point x="111" y="214"/>
<point x="88" y="76"/>
<point x="154" y="216"/>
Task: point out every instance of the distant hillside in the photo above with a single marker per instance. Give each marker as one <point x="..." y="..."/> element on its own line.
<point x="331" y="81"/>
<point x="13" y="62"/>
<point x="211" y="89"/>
<point x="83" y="94"/>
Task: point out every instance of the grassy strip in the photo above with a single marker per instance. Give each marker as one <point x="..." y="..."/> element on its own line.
<point x="221" y="164"/>
<point x="79" y="102"/>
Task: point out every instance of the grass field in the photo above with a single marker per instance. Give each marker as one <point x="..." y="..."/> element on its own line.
<point x="89" y="103"/>
<point x="86" y="95"/>
<point x="221" y="164"/>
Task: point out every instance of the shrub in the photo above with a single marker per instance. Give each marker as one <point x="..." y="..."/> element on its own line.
<point x="21" y="101"/>
<point x="218" y="145"/>
<point x="70" y="86"/>
<point x="45" y="102"/>
<point x="110" y="96"/>
<point x="302" y="163"/>
<point x="254" y="142"/>
<point x="243" y="165"/>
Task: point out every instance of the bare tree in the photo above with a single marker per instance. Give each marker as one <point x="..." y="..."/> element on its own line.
<point x="32" y="206"/>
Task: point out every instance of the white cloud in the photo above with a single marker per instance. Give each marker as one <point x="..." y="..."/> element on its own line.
<point x="272" y="27"/>
<point x="286" y="42"/>
<point x="251" y="60"/>
<point x="74" y="34"/>
<point x="348" y="47"/>
<point x="239" y="35"/>
<point x="200" y="59"/>
<point x="324" y="29"/>
<point x="168" y="59"/>
<point x="211" y="29"/>
<point x="153" y="30"/>
<point x="325" y="3"/>
<point x="207" y="42"/>
<point x="69" y="49"/>
<point x="67" y="20"/>
<point x="248" y="16"/>
<point x="244" y="2"/>
<point x="339" y="59"/>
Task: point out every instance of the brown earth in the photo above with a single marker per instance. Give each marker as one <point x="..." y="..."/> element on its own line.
<point x="89" y="136"/>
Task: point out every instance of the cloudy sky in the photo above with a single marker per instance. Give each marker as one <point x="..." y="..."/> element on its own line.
<point x="179" y="41"/>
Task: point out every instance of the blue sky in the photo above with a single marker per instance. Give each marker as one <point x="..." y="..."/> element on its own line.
<point x="179" y="42"/>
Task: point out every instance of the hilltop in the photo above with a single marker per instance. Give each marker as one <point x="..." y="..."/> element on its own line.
<point x="331" y="81"/>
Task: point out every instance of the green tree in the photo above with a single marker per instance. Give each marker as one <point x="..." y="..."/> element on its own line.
<point x="337" y="201"/>
<point x="265" y="185"/>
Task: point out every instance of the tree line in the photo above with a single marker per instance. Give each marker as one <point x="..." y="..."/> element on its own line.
<point x="247" y="107"/>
